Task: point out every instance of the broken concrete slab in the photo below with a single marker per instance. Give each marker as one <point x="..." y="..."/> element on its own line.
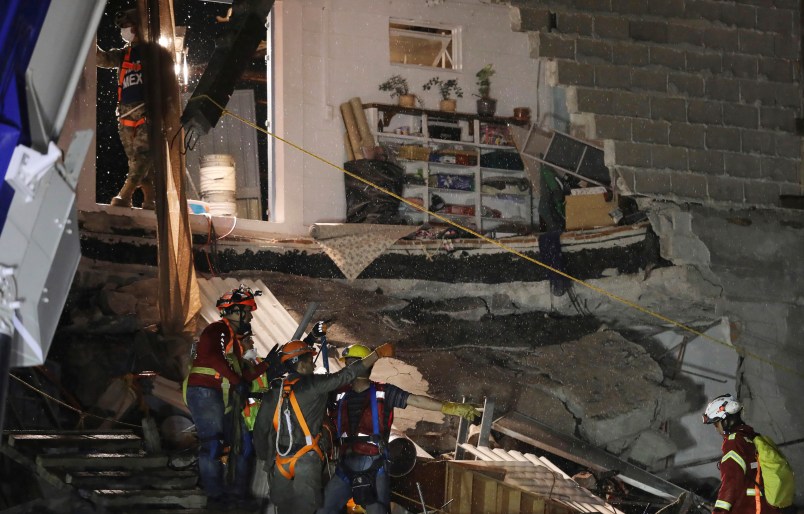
<point x="649" y="447"/>
<point x="543" y="405"/>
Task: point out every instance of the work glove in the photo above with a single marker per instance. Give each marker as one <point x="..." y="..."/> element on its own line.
<point x="385" y="350"/>
<point x="463" y="410"/>
<point x="318" y="331"/>
<point x="275" y="367"/>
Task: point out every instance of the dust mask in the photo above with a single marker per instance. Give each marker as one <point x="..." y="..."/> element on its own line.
<point x="250" y="354"/>
<point x="127" y="33"/>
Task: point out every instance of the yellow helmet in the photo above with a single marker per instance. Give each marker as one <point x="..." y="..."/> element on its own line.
<point x="355" y="351"/>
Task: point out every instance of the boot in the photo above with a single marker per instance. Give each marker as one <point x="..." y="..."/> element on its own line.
<point x="148" y="195"/>
<point x="123" y="198"/>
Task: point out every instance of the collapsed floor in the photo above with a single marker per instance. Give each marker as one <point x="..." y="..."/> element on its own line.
<point x="571" y="373"/>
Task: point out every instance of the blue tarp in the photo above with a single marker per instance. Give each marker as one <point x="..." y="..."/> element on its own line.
<point x="20" y="24"/>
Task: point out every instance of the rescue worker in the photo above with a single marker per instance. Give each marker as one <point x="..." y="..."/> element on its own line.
<point x="288" y="426"/>
<point x="738" y="466"/>
<point x="133" y="125"/>
<point x="364" y="412"/>
<point x="208" y="393"/>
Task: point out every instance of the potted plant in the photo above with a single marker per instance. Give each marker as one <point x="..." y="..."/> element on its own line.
<point x="486" y="106"/>
<point x="446" y="88"/>
<point x="398" y="86"/>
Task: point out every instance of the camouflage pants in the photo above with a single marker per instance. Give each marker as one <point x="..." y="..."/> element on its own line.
<point x="136" y="143"/>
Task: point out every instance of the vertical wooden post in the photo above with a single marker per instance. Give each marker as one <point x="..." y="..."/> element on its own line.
<point x="485" y="423"/>
<point x="179" y="299"/>
<point x="463" y="436"/>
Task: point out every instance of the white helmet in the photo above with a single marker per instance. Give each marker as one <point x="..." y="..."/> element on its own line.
<point x="721" y="407"/>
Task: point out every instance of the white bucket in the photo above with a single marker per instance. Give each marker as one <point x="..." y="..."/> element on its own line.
<point x="217" y="177"/>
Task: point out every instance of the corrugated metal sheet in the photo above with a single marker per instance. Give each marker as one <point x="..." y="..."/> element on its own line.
<point x="537" y="475"/>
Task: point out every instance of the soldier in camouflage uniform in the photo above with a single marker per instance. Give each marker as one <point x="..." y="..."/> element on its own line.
<point x="133" y="125"/>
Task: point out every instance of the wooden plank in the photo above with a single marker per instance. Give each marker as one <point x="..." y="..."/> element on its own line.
<point x="484" y="494"/>
<point x="60" y="441"/>
<point x="128" y="480"/>
<point x="508" y="501"/>
<point x="102" y="461"/>
<point x="187" y="498"/>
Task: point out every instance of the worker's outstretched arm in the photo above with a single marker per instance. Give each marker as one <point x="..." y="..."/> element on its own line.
<point x="463" y="410"/>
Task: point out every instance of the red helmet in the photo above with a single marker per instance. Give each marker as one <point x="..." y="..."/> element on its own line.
<point x="241" y="296"/>
<point x="294" y="350"/>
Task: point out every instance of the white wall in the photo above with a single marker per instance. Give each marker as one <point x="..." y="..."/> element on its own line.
<point x="328" y="51"/>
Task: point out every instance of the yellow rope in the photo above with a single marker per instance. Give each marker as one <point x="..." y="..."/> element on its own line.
<point x="741" y="351"/>
<point x="79" y="411"/>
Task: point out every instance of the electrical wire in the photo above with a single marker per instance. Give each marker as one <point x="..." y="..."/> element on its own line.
<point x="742" y="351"/>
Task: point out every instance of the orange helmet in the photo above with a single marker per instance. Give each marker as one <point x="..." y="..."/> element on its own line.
<point x="294" y="350"/>
<point x="243" y="295"/>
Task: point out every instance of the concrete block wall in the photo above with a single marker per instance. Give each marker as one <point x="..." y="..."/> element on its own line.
<point x="694" y="99"/>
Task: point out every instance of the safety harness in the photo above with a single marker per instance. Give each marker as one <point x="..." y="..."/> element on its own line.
<point x="356" y="437"/>
<point x="286" y="463"/>
<point x="127" y="67"/>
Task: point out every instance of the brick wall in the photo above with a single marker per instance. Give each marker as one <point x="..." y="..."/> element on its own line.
<point x="694" y="99"/>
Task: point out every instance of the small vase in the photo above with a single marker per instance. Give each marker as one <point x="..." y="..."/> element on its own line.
<point x="486" y="106"/>
<point x="407" y="100"/>
<point x="448" y="105"/>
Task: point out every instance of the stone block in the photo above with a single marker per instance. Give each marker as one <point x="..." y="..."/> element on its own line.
<point x="544" y="44"/>
<point x="722" y="39"/>
<point x="631" y="154"/>
<point x="611" y="127"/>
<point x="648" y="30"/>
<point x="613" y="77"/>
<point x="722" y="88"/>
<point x="545" y="407"/>
<point x="629" y="6"/>
<point x="791" y="189"/>
<point x="740" y="66"/>
<point x="777" y="118"/>
<point x="786" y="46"/>
<point x="669" y="57"/>
<point x="742" y="165"/>
<point x="706" y="9"/>
<point x="739" y="15"/>
<point x="704" y="111"/>
<point x="649" y="447"/>
<point x="666" y="8"/>
<point x="648" y="80"/>
<point x="570" y="73"/>
<point x="739" y="115"/>
<point x="611" y="27"/>
<point x="775" y="20"/>
<point x="786" y="4"/>
<point x="726" y="189"/>
<point x="684" y="35"/>
<point x="625" y="178"/>
<point x="770" y="93"/>
<point x="574" y="23"/>
<point x="532" y="19"/>
<point x="685" y="84"/>
<point x="592" y="5"/>
<point x="757" y="43"/>
<point x="652" y="182"/>
<point x="593" y="50"/>
<point x="757" y="141"/>
<point x="706" y="161"/>
<point x="669" y="157"/>
<point x="762" y="193"/>
<point x="704" y="61"/>
<point x="780" y="169"/>
<point x="669" y="109"/>
<point x="688" y="185"/>
<point x="723" y="138"/>
<point x="629" y="104"/>
<point x="787" y="145"/>
<point x="583" y="99"/>
<point x="649" y="131"/>
<point x="687" y="135"/>
<point x="629" y="53"/>
<point x="777" y="70"/>
<point x="463" y="308"/>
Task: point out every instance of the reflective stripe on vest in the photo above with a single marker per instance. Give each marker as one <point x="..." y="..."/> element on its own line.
<point x="736" y="458"/>
<point x="132" y="123"/>
<point x="720" y="504"/>
<point x="311" y="443"/>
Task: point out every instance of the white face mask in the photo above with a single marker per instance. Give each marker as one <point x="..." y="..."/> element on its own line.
<point x="250" y="354"/>
<point x="127" y="33"/>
